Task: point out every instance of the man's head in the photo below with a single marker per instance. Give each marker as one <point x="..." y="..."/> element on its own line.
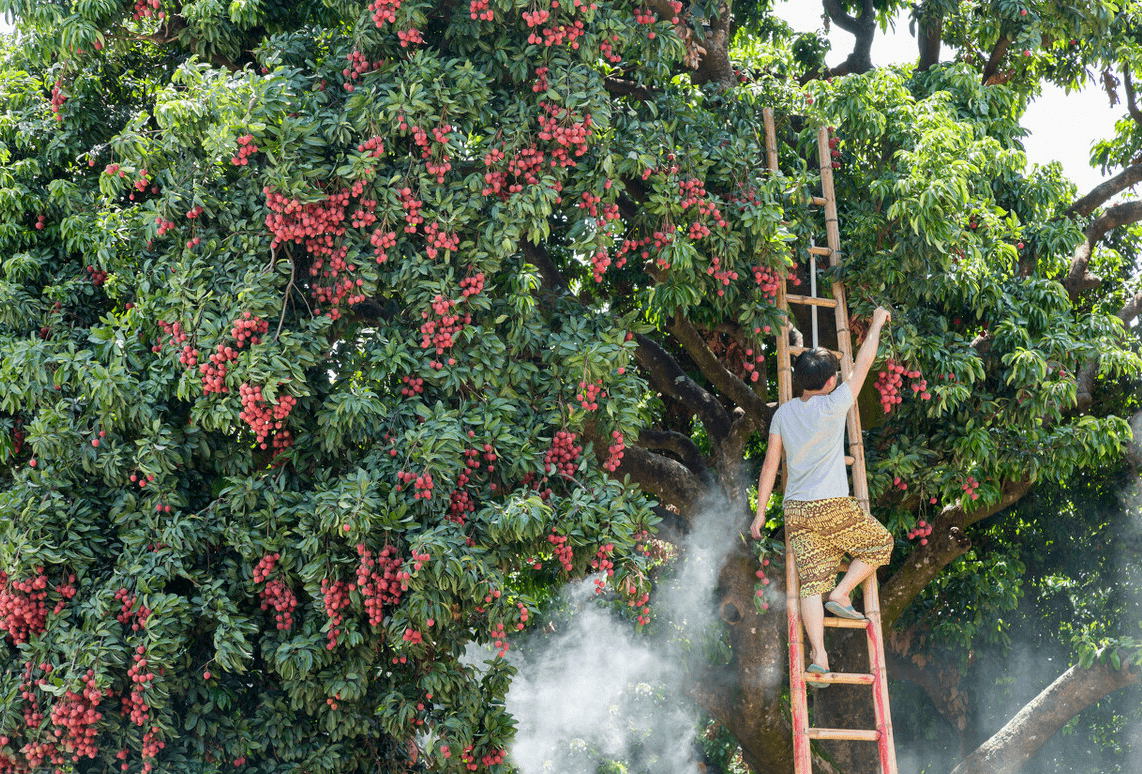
<point x="814" y="367"/>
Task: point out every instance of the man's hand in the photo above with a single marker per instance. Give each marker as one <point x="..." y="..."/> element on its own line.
<point x="756" y="525"/>
<point x="881" y="317"/>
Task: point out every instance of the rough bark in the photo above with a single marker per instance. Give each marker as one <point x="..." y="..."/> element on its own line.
<point x="929" y="37"/>
<point x="1079" y="279"/>
<point x="714" y="65"/>
<point x="669" y="378"/>
<point x="1015" y="743"/>
<point x="991" y="69"/>
<point x="668" y="480"/>
<point x="862" y="27"/>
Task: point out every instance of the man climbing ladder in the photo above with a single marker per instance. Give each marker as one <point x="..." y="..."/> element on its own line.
<point x="825" y="523"/>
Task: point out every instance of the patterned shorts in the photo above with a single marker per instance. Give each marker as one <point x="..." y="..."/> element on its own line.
<point x="821" y="532"/>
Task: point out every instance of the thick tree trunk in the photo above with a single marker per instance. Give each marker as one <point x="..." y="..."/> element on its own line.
<point x="1014" y="744"/>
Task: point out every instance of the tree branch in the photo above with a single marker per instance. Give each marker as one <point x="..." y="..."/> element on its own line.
<point x="682" y="446"/>
<point x="730" y="385"/>
<point x="1079" y="278"/>
<point x="538" y="257"/>
<point x="862" y="27"/>
<point x="1015" y="743"/>
<point x="668" y="480"/>
<point x="621" y="87"/>
<point x="946" y="543"/>
<point x="665" y="374"/>
<point x="991" y="70"/>
<point x="1131" y="104"/>
<point x="1086" y="205"/>
<point x="713" y="63"/>
<point x="1084" y="391"/>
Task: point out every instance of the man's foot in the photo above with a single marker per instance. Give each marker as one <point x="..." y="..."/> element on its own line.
<point x="812" y="675"/>
<point x="844" y="611"/>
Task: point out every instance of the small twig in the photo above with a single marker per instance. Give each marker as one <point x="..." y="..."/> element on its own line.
<point x="289" y="287"/>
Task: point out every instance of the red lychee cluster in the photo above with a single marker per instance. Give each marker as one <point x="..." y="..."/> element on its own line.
<point x="412" y="386"/>
<point x="359" y="64"/>
<point x="129" y="615"/>
<point x="970" y="486"/>
<point x="890" y="380"/>
<point x="58" y="99"/>
<point x="75" y="716"/>
<point x="589" y="395"/>
<point x="922" y="530"/>
<point x="246" y="329"/>
<point x="276" y="593"/>
<point x="135" y="703"/>
<point x="380" y="581"/>
<point x="23" y="606"/>
<point x="440" y="329"/>
<point x="900" y="484"/>
<point x="164" y="225"/>
<point x="763" y="579"/>
<point x="834" y="150"/>
<point x="97" y="277"/>
<point x="614" y="452"/>
<point x="411" y="206"/>
<point x="563" y="454"/>
<point x="722" y="277"/>
<point x="382" y="241"/>
<point x="639" y="601"/>
<point x="177" y="336"/>
<point x="66" y="591"/>
<point x="607" y="49"/>
<point x="563" y="552"/>
<point x="145" y="8"/>
<point x="384" y="11"/>
<point x="193" y="213"/>
<point x="645" y="16"/>
<point x="605" y="566"/>
<point x="540" y="84"/>
<point x="421" y="484"/>
<point x="493" y="757"/>
<point x="438" y="239"/>
<point x="246" y="148"/>
<point x="768" y="280"/>
<point x="410" y="37"/>
<point x="472" y="286"/>
<point x="559" y="125"/>
<point x="335" y="595"/>
<point x="499" y="639"/>
<point x="265" y="420"/>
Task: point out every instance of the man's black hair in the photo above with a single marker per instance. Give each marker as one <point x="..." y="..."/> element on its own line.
<point x="813" y="368"/>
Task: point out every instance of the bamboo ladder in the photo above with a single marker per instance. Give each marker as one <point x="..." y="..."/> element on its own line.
<point x="876" y="678"/>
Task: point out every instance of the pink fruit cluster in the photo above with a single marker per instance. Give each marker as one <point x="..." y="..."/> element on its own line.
<point x="970" y="486"/>
<point x="768" y="280"/>
<point x="145" y="8"/>
<point x="559" y="125"/>
<point x="479" y="10"/>
<point x="97" y="277"/>
<point x="639" y="601"/>
<point x="763" y="579"/>
<point x="438" y="239"/>
<point x="265" y="420"/>
<point x="359" y="64"/>
<point x="135" y="703"/>
<point x="922" y="530"/>
<point x="493" y="757"/>
<point x="23" y="606"/>
<point x="75" y="716"/>
<point x="472" y="286"/>
<point x="834" y="150"/>
<point x="380" y="581"/>
<point x="335" y="595"/>
<point x="246" y="148"/>
<point x="58" y="99"/>
<point x="499" y="639"/>
<point x="128" y="614"/>
<point x="563" y="454"/>
<point x="614" y="452"/>
<point x="540" y="84"/>
<point x="441" y="326"/>
<point x="382" y="241"/>
<point x="604" y="565"/>
<point x="564" y="554"/>
<point x="589" y="394"/>
<point x="722" y="277"/>
<point x="891" y="379"/>
<point x="421" y="484"/>
<point x="412" y="386"/>
<point x="384" y="11"/>
<point x="246" y="329"/>
<point x="275" y="593"/>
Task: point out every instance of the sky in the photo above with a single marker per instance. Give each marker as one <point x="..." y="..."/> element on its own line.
<point x="1063" y="127"/>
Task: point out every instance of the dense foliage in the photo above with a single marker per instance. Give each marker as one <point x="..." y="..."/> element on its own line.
<point x="334" y="338"/>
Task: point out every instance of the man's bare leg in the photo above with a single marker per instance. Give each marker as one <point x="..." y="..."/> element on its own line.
<point x="858" y="571"/>
<point x="813" y="616"/>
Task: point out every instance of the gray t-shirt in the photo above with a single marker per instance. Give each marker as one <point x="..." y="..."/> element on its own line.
<point x="812" y="434"/>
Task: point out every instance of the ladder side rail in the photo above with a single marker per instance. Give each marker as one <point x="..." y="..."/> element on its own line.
<point x="770" y="139"/>
<point x="799" y="709"/>
<point x="886" y="746"/>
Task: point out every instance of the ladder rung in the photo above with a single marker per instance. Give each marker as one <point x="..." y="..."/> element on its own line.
<point x="819" y="201"/>
<point x="794" y="351"/>
<point x="812" y="300"/>
<point x="821" y="250"/>
<point x="854" y="735"/>
<point x="845" y="678"/>
<point x="844" y="623"/>
<point x="849" y="460"/>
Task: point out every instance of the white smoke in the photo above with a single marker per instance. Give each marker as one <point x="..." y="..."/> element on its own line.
<point x="595" y="691"/>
